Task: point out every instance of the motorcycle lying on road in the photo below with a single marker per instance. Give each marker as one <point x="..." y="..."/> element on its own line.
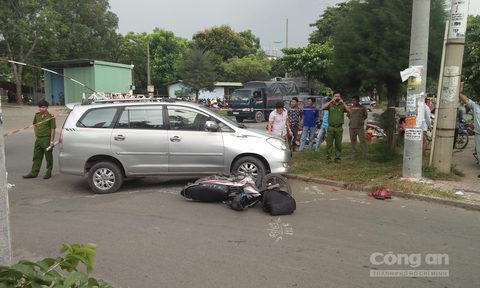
<point x="236" y="191"/>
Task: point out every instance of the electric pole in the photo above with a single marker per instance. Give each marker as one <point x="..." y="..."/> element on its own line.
<point x="5" y="240"/>
<point x="447" y="109"/>
<point x="412" y="156"/>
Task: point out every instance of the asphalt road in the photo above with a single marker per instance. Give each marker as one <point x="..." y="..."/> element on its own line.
<point x="149" y="236"/>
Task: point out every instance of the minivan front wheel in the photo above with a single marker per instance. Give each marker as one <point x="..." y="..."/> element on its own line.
<point x="105" y="177"/>
<point x="250" y="166"/>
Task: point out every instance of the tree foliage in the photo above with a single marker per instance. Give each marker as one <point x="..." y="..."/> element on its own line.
<point x="312" y="61"/>
<point x="51" y="272"/>
<point x="23" y="25"/>
<point x="471" y="58"/>
<point x="86" y="29"/>
<point x="325" y="26"/>
<point x="249" y="68"/>
<point x="36" y="31"/>
<point x="197" y="71"/>
<point x="224" y="43"/>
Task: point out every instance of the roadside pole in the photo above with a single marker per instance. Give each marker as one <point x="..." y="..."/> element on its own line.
<point x="5" y="240"/>
<point x="412" y="156"/>
<point x="447" y="110"/>
<point x="439" y="91"/>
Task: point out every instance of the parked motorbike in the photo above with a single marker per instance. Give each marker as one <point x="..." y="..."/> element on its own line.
<point x="236" y="191"/>
<point x="26" y="100"/>
<point x="462" y="137"/>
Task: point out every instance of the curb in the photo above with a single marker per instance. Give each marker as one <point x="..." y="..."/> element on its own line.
<point x="364" y="188"/>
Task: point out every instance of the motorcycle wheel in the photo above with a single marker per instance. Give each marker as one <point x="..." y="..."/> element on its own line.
<point x="462" y="140"/>
<point x="274" y="179"/>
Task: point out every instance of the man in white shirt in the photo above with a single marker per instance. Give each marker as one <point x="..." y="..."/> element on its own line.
<point x="278" y="121"/>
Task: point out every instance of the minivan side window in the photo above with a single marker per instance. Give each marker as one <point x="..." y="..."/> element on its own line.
<point x="186" y="119"/>
<point x="98" y="118"/>
<point x="141" y="118"/>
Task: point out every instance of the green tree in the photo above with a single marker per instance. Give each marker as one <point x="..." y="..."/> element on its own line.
<point x="197" y="71"/>
<point x="165" y="50"/>
<point x="277" y="69"/>
<point x="312" y="61"/>
<point x="249" y="68"/>
<point x="24" y="25"/>
<point x="86" y="29"/>
<point x="224" y="43"/>
<point x="372" y="44"/>
<point x="252" y="41"/>
<point x="325" y="26"/>
<point x="471" y="58"/>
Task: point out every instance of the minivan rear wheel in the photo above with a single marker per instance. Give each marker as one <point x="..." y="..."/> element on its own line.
<point x="105" y="177"/>
<point x="250" y="166"/>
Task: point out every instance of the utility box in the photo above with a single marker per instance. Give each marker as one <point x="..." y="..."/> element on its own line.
<point x="101" y="76"/>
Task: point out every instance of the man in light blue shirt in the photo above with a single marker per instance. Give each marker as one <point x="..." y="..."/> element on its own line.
<point x="476" y="118"/>
<point x="323" y="130"/>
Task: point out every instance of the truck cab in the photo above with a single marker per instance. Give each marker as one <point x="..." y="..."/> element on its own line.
<point x="257" y="99"/>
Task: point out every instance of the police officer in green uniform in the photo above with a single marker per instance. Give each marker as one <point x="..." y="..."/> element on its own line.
<point x="44" y="138"/>
<point x="336" y="108"/>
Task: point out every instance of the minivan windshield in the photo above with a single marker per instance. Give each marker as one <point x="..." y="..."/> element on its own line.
<point x="241" y="96"/>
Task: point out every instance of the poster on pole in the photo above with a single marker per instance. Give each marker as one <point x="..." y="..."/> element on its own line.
<point x="458" y="19"/>
<point x="413" y="134"/>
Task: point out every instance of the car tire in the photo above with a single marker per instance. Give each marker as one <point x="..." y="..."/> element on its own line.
<point x="259" y="117"/>
<point x="250" y="166"/>
<point x="105" y="177"/>
<point x="239" y="119"/>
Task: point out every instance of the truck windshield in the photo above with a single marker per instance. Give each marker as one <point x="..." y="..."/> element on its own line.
<point x="241" y="96"/>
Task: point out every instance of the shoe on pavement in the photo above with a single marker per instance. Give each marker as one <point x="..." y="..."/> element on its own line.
<point x="28" y="176"/>
<point x="47" y="176"/>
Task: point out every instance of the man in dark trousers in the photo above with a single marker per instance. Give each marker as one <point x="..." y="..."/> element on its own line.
<point x="357" y="115"/>
<point x="336" y="107"/>
<point x="44" y="138"/>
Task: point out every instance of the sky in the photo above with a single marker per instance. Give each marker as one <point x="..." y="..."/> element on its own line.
<point x="266" y="18"/>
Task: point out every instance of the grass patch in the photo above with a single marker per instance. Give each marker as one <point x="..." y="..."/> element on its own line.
<point x="222" y="112"/>
<point x="380" y="168"/>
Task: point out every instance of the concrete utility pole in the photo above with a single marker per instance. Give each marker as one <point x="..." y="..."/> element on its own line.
<point x="412" y="157"/>
<point x="5" y="240"/>
<point x="447" y="110"/>
<point x="286" y="36"/>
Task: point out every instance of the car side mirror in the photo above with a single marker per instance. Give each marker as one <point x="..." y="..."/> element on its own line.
<point x="211" y="126"/>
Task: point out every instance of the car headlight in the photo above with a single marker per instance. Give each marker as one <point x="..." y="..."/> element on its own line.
<point x="277" y="143"/>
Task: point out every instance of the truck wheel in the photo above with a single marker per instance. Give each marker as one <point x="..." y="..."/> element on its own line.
<point x="239" y="119"/>
<point x="105" y="177"/>
<point x="259" y="117"/>
<point x="250" y="166"/>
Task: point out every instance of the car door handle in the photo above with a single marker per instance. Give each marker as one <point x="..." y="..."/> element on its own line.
<point x="175" y="139"/>
<point x="119" y="137"/>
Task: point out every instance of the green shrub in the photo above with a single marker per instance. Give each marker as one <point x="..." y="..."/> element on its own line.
<point x="46" y="273"/>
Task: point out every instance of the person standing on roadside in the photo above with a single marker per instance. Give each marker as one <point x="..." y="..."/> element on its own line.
<point x="294" y="118"/>
<point x="323" y="129"/>
<point x="357" y="116"/>
<point x="475" y="107"/>
<point x="336" y="108"/>
<point x="310" y="117"/>
<point x="278" y="121"/>
<point x="44" y="129"/>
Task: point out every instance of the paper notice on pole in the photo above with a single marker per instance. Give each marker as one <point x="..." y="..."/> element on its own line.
<point x="458" y="19"/>
<point x="450" y="89"/>
<point x="413" y="134"/>
<point x="415" y="72"/>
<point x="411" y="105"/>
<point x="421" y="112"/>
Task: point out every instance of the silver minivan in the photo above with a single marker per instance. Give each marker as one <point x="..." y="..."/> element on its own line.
<point x="111" y="141"/>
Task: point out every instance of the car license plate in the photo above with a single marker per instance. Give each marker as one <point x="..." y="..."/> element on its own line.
<point x="236" y="113"/>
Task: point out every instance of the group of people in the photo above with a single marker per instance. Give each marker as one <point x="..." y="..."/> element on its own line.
<point x="286" y="123"/>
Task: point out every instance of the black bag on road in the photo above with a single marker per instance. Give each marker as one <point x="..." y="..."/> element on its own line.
<point x="277" y="202"/>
